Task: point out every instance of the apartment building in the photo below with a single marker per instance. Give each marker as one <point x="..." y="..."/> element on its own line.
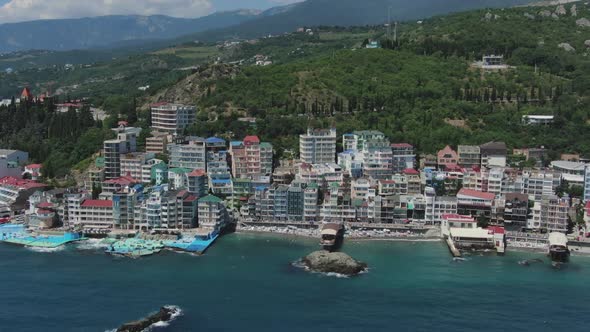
<point x="469" y="156"/>
<point x="318" y="146"/>
<point x="172" y="118"/>
<point x="188" y="152"/>
<point x="403" y="157"/>
<point x="126" y="142"/>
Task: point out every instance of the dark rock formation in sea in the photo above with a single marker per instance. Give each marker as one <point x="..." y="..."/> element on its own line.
<point x="165" y="314"/>
<point x="333" y="262"/>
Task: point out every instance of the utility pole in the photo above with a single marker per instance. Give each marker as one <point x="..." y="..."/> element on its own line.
<point x="389" y="23"/>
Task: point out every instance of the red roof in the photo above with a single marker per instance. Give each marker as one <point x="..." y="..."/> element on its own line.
<point x="191" y="198"/>
<point x="476" y="193"/>
<point x="401" y="145"/>
<point x="458" y="217"/>
<point x="42" y="211"/>
<point x="387" y="181"/>
<point x="20" y="183"/>
<point x="92" y="203"/>
<point x="44" y="205"/>
<point x="411" y="171"/>
<point x="251" y="139"/>
<point x="453" y="168"/>
<point x="496" y="230"/>
<point x="34" y="166"/>
<point x="197" y="172"/>
<point x="123" y="181"/>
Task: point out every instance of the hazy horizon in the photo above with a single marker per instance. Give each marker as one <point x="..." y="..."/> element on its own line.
<point x="14" y="11"/>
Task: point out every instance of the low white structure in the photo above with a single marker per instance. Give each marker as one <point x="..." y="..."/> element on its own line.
<point x="537" y="119"/>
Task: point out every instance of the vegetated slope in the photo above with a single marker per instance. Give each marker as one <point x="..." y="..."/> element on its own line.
<point x="83" y="33"/>
<point x="412" y="92"/>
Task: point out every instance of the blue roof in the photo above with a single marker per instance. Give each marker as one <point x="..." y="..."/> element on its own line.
<point x="215" y="140"/>
<point x="224" y="181"/>
<point x="236" y="143"/>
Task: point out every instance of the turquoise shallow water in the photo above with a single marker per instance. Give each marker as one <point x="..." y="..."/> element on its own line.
<point x="246" y="283"/>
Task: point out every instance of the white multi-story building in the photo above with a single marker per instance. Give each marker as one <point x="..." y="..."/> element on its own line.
<point x="172" y="118"/>
<point x="93" y="214"/>
<point x="319" y="173"/>
<point x="188" y="153"/>
<point x="438" y="206"/>
<point x="132" y="164"/>
<point x="538" y="184"/>
<point x="213" y="215"/>
<point x="318" y="146"/>
<point x="550" y="214"/>
<point x="403" y="156"/>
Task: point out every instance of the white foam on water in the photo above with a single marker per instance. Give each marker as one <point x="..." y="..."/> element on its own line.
<point x="177" y="313"/>
<point x="91" y="244"/>
<point x="46" y="250"/>
<point x="299" y="264"/>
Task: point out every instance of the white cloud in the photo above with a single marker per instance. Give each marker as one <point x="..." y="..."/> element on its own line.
<point x="24" y="10"/>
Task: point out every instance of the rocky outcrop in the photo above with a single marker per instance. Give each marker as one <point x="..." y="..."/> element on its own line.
<point x="192" y="88"/>
<point x="333" y="262"/>
<point x="560" y="10"/>
<point x="529" y="16"/>
<point x="587" y="43"/>
<point x="567" y="47"/>
<point x="583" y="22"/>
<point x="165" y="314"/>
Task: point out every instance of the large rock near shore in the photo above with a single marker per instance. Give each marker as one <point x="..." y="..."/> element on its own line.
<point x="333" y="262"/>
<point x="165" y="314"/>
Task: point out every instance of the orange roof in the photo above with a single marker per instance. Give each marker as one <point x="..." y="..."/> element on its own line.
<point x="197" y="172"/>
<point x="26" y="93"/>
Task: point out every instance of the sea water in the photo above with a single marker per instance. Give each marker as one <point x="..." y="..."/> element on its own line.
<point x="248" y="283"/>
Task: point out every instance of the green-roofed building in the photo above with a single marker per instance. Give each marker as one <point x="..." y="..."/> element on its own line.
<point x="213" y="215"/>
<point x="159" y="174"/>
<point x="178" y="177"/>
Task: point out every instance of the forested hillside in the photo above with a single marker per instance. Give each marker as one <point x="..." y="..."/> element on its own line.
<point x="423" y="89"/>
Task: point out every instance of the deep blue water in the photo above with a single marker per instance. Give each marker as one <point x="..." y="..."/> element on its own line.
<point x="246" y="283"/>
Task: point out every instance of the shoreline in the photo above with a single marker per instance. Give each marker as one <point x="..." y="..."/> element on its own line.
<point x="520" y="249"/>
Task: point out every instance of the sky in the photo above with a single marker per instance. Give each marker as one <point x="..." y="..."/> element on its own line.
<point x="27" y="10"/>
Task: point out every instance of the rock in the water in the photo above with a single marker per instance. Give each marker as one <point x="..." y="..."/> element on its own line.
<point x="583" y="22"/>
<point x="567" y="47"/>
<point x="164" y="315"/>
<point x="333" y="262"/>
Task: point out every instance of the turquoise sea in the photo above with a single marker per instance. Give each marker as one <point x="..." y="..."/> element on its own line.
<point x="247" y="283"/>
